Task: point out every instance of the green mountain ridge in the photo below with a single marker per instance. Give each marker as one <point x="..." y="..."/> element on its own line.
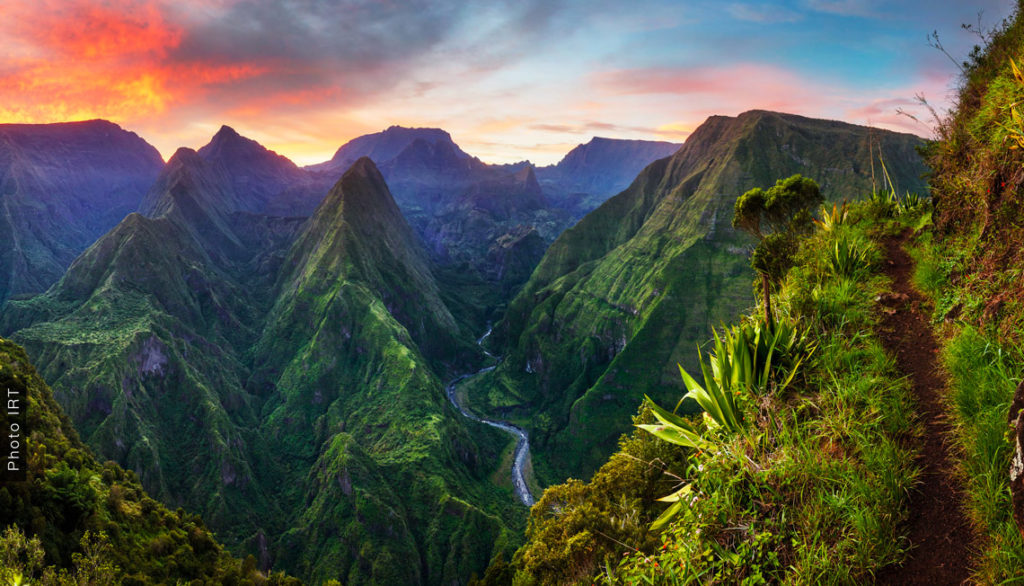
<point x="629" y="291"/>
<point x="144" y="339"/>
<point x="358" y="233"/>
<point x="277" y="408"/>
<point x="68" y="492"/>
<point x="356" y="403"/>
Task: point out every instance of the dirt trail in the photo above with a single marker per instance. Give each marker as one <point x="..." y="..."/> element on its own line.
<point x="939" y="532"/>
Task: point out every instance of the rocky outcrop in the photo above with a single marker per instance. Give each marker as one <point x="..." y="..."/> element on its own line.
<point x="1016" y="419"/>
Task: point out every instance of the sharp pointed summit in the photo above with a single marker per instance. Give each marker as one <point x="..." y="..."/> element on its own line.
<point x="358" y="233"/>
<point x="231" y="148"/>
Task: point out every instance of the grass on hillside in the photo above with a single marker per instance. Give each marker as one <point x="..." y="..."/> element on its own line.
<point x="983" y="374"/>
<point x="812" y="491"/>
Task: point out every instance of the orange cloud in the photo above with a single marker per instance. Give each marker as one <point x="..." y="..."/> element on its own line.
<point x="675" y="130"/>
<point x="110" y="60"/>
<point x="80" y="30"/>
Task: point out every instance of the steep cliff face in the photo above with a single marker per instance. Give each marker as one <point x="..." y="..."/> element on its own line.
<point x="143" y="338"/>
<point x="628" y="292"/>
<point x="61" y="187"/>
<point x="277" y="377"/>
<point x="591" y="173"/>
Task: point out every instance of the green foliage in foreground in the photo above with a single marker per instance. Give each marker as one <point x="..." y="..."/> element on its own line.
<point x="970" y="265"/>
<point x="983" y="373"/>
<point x="813" y="491"/>
<point x="75" y="519"/>
<point x="983" y="378"/>
<point x="740" y="372"/>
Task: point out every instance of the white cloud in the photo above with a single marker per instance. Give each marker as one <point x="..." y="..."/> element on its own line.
<point x="765" y="14"/>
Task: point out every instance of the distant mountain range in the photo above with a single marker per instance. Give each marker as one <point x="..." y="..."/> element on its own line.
<point x="64" y="185"/>
<point x="471" y="213"/>
<point x="268" y="345"/>
<point x="61" y="187"/>
<point x="592" y="172"/>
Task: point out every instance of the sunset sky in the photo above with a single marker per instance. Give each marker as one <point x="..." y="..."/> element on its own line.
<point x="510" y="80"/>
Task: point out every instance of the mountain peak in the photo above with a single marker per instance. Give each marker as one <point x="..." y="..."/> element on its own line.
<point x="526" y="175"/>
<point x="226" y="130"/>
<point x="363" y="188"/>
<point x="257" y="175"/>
<point x="228" y="135"/>
<point x="420" y="131"/>
<point x="604" y="166"/>
<point x="228" y="146"/>
<point x="189" y="180"/>
<point x="94" y="125"/>
<point x="184" y="156"/>
<point x="363" y="168"/>
<point x="387" y="145"/>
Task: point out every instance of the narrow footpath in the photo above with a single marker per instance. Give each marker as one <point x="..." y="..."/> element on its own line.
<point x="939" y="532"/>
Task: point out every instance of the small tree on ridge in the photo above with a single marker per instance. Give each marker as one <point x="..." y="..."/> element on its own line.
<point x="777" y="217"/>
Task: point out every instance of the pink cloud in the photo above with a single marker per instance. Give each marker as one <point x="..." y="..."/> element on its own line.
<point x="743" y="85"/>
<point x="687" y="95"/>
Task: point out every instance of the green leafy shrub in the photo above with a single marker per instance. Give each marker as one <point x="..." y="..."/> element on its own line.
<point x="830" y="220"/>
<point x="847" y="258"/>
<point x="798" y="472"/>
<point x="577" y="528"/>
<point x="740" y="371"/>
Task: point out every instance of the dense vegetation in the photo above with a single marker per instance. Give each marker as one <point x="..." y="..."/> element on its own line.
<point x="805" y="481"/>
<point x="813" y="487"/>
<point x="77" y="521"/>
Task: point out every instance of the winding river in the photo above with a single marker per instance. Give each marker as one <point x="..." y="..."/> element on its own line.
<point x="522" y="452"/>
